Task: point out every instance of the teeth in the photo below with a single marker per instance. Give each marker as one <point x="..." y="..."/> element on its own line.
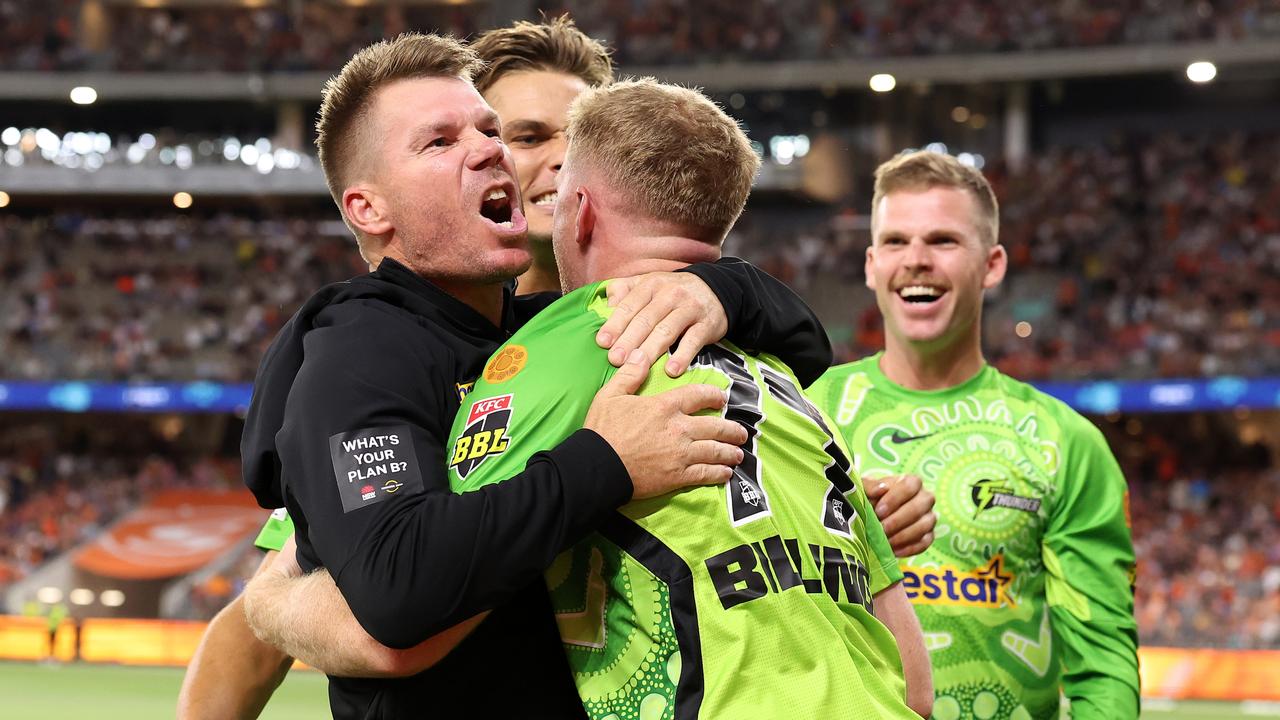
<point x="498" y="194"/>
<point x="505" y="223"/>
<point x="547" y="199"/>
<point x="919" y="291"/>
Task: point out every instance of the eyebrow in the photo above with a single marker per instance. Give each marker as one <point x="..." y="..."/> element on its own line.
<point x="536" y="126"/>
<point x="440" y="127"/>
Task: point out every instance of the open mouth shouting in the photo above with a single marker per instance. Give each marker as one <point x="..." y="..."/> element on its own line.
<point x="501" y="209"/>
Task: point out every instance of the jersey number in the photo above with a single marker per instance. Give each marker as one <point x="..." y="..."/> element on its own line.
<point x="747" y="497"/>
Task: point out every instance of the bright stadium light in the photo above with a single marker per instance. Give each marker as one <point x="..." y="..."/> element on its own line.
<point x="83" y="95"/>
<point x="4" y="199"/>
<point x="1201" y="71"/>
<point x="182" y="200"/>
<point x="81" y="596"/>
<point x="10" y="136"/>
<point x="883" y="82"/>
<point x="49" y="595"/>
<point x="112" y="598"/>
<point x="1022" y="329"/>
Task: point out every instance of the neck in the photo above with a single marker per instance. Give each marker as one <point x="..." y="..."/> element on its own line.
<point x="542" y="275"/>
<point x="922" y="366"/>
<point x="646" y="254"/>
<point x="484" y="298"/>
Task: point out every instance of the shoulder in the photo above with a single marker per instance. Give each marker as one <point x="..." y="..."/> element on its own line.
<point x="366" y="345"/>
<point x="570" y="321"/>
<point x="1074" y="429"/>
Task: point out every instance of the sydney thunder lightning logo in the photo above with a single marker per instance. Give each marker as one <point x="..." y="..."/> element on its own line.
<point x="988" y="493"/>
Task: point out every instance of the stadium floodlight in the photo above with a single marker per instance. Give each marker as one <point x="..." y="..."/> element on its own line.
<point x="112" y="598"/>
<point x="49" y="595"/>
<point x="182" y="200"/>
<point x="882" y="82"/>
<point x="1201" y="71"/>
<point x="83" y="95"/>
<point x="81" y="596"/>
<point x="1022" y="329"/>
<point x="10" y="136"/>
<point x="4" y="199"/>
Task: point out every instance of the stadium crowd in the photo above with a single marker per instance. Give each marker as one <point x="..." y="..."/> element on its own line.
<point x="1138" y="257"/>
<point x="160" y="297"/>
<point x="52" y="502"/>
<point x="1206" y="528"/>
<point x="289" y="37"/>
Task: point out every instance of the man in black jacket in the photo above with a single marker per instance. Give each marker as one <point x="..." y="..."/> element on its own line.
<point x="354" y="398"/>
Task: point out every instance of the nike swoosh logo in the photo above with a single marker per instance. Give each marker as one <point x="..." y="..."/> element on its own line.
<point x="897" y="438"/>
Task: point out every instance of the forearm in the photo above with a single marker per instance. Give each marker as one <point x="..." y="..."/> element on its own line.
<point x="232" y="674"/>
<point x="894" y="610"/>
<point x="308" y="618"/>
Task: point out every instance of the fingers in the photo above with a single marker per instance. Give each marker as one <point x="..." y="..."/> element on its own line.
<point x="707" y="475"/>
<point x="698" y="336"/>
<point x="915" y="548"/>
<point x="628" y="379"/>
<point x="901" y="489"/>
<point x="914" y="532"/>
<point x="654" y="326"/>
<point x="711" y="452"/>
<point x="895" y="519"/>
<point x="633" y="301"/>
<point x="690" y="399"/>
<point x="876" y="487"/>
<point x="708" y="427"/>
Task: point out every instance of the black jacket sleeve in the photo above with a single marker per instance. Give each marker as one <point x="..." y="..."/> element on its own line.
<point x="767" y="316"/>
<point x="410" y="557"/>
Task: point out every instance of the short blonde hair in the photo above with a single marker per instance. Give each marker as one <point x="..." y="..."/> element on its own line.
<point x="556" y="45"/>
<point x="923" y="170"/>
<point x="669" y="149"/>
<point x="347" y="96"/>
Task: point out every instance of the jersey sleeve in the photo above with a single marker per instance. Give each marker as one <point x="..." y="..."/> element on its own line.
<point x="886" y="571"/>
<point x="275" y="533"/>
<point x="1089" y="561"/>
<point x="362" y="451"/>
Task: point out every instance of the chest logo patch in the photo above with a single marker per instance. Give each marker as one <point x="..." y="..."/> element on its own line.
<point x="485" y="435"/>
<point x="988" y="493"/>
<point x="504" y="366"/>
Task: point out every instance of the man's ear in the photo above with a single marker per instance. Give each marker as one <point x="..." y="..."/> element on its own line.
<point x="867" y="265"/>
<point x="366" y="211"/>
<point x="586" y="222"/>
<point x="997" y="263"/>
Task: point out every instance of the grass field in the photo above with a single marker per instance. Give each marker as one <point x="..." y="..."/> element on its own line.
<point x="106" y="692"/>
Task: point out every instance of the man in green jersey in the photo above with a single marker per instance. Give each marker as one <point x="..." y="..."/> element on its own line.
<point x="1028" y="586"/>
<point x="750" y="601"/>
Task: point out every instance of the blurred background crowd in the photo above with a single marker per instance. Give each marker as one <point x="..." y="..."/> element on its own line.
<point x="292" y="37"/>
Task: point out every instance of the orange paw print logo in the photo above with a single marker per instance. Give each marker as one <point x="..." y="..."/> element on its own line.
<point x="504" y="366"/>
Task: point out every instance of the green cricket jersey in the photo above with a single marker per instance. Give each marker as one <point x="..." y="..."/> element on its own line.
<point x="1028" y="585"/>
<point x="752" y="600"/>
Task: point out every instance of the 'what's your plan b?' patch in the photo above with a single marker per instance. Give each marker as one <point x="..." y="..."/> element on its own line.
<point x="374" y="464"/>
<point x="485" y="435"/>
